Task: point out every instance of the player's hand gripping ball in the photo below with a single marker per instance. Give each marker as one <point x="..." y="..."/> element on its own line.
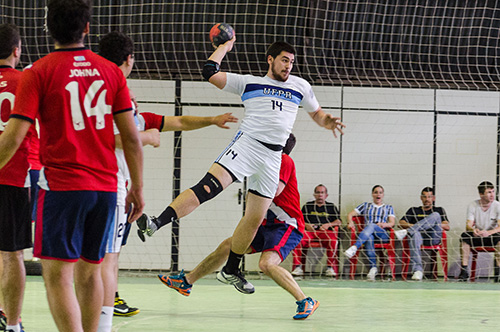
<point x="221" y="33"/>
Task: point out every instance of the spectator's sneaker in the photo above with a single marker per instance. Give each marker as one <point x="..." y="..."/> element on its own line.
<point x="463" y="276"/>
<point x="3" y="320"/>
<point x="417" y="276"/>
<point x="401" y="234"/>
<point x="177" y="282"/>
<point x="372" y="274"/>
<point x="330" y="272"/>
<point x="305" y="308"/>
<point x="237" y="280"/>
<point x="298" y="272"/>
<point x="122" y="309"/>
<point x="146" y="226"/>
<point x="351" y="251"/>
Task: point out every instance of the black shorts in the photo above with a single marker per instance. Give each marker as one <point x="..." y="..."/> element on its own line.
<point x="15" y="218"/>
<point x="477" y="241"/>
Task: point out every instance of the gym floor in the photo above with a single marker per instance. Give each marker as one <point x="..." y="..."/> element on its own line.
<point x="345" y="306"/>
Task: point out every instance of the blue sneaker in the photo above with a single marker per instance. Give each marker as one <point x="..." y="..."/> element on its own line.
<point x="177" y="282"/>
<point x="305" y="308"/>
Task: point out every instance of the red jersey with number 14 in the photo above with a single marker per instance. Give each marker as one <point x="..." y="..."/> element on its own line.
<point x="15" y="172"/>
<point x="75" y="93"/>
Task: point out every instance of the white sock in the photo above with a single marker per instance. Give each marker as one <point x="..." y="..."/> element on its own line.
<point x="106" y="319"/>
<point x="15" y="328"/>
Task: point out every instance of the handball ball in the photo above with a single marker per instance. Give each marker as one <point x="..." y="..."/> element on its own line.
<point x="221" y="33"/>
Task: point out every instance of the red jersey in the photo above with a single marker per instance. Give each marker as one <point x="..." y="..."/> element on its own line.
<point x="74" y="93"/>
<point x="15" y="172"/>
<point x="289" y="199"/>
<point x="153" y="120"/>
<point x="34" y="151"/>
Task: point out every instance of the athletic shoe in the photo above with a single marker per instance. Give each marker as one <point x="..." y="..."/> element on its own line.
<point x="20" y="327"/>
<point x="401" y="234"/>
<point x="351" y="251"/>
<point x="237" y="280"/>
<point x="305" y="308"/>
<point x="3" y="320"/>
<point x="177" y="282"/>
<point x="146" y="226"/>
<point x="122" y="309"/>
<point x="298" y="272"/>
<point x="372" y="274"/>
<point x="417" y="275"/>
<point x="329" y="272"/>
<point x="463" y="276"/>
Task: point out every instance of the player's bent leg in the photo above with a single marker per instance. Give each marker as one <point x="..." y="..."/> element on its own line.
<point x="216" y="180"/>
<point x="13" y="283"/>
<point x="269" y="263"/>
<point x="63" y="304"/>
<point x="255" y="212"/>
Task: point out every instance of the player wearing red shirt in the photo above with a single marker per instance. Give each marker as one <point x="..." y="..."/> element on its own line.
<point x="76" y="96"/>
<point x="276" y="237"/>
<point x="15" y="221"/>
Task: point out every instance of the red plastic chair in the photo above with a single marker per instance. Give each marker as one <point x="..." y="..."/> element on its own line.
<point x="474" y="251"/>
<point x="315" y="243"/>
<point x="359" y="223"/>
<point x="442" y="248"/>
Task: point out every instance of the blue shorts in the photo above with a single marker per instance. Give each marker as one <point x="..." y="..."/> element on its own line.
<point x="128" y="226"/>
<point x="73" y="224"/>
<point x="279" y="237"/>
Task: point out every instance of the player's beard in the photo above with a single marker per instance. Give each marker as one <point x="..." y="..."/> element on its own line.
<point x="281" y="76"/>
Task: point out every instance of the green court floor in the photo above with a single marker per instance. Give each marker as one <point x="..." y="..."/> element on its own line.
<point x="345" y="306"/>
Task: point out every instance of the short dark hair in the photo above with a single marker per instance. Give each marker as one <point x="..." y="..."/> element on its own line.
<point x="9" y="35"/>
<point x="321" y="185"/>
<point x="290" y="144"/>
<point x="377" y="186"/>
<point x="66" y="20"/>
<point x="485" y="185"/>
<point x="277" y="47"/>
<point x="116" y="47"/>
<point x="427" y="190"/>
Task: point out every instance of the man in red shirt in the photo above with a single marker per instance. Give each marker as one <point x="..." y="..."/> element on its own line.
<point x="15" y="220"/>
<point x="277" y="236"/>
<point x="76" y="95"/>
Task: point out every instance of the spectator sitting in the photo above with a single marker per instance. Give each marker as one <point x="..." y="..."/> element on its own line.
<point x="379" y="217"/>
<point x="423" y="225"/>
<point x="320" y="217"/>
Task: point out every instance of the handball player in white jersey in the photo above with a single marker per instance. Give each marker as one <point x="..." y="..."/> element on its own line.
<point x="271" y="105"/>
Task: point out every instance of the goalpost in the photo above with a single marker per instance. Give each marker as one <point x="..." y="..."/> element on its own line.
<point x="416" y="83"/>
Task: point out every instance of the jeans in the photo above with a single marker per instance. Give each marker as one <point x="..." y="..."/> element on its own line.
<point x="429" y="229"/>
<point x="367" y="237"/>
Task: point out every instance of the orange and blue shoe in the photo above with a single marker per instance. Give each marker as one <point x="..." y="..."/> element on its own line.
<point x="305" y="308"/>
<point x="177" y="282"/>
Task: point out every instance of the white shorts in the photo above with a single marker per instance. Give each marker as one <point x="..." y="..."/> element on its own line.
<point x="116" y="230"/>
<point x="245" y="156"/>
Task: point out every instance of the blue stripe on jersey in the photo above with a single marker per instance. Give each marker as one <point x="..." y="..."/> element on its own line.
<point x="261" y="90"/>
<point x="375" y="214"/>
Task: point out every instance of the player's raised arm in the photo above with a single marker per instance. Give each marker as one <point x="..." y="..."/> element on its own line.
<point x="327" y="121"/>
<point x="211" y="69"/>
<point x="187" y="122"/>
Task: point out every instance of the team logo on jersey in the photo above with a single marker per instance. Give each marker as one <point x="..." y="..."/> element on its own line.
<point x="80" y="61"/>
<point x="261" y="90"/>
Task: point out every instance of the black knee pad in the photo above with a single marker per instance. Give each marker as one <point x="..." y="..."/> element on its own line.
<point x="207" y="188"/>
